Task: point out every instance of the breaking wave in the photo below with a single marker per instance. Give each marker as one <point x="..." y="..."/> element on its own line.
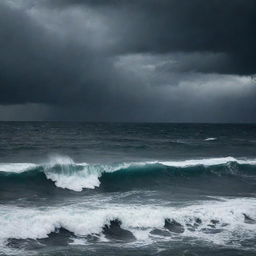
<point x="67" y="174"/>
<point x="220" y="222"/>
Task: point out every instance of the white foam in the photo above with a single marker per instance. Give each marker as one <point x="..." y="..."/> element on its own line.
<point x="16" y="167"/>
<point x="88" y="177"/>
<point x="19" y="222"/>
<point x="75" y="181"/>
<point x="247" y="161"/>
<point x="205" y="162"/>
<point x="68" y="176"/>
<point x="210" y="139"/>
<point x="76" y="176"/>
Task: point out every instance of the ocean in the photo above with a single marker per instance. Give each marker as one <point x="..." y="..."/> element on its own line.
<point x="76" y="188"/>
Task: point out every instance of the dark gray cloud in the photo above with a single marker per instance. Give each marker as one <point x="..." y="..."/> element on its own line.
<point x="127" y="60"/>
<point x="218" y="26"/>
<point x="38" y="66"/>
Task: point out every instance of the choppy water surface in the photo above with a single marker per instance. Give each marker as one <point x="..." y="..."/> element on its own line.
<point x="127" y="189"/>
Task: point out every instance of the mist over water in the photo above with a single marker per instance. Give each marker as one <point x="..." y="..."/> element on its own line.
<point x="127" y="189"/>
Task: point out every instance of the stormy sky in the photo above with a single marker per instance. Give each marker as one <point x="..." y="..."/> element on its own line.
<point x="128" y="60"/>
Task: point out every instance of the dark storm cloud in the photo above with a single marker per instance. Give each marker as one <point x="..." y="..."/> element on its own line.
<point x="37" y="66"/>
<point x="127" y="60"/>
<point x="67" y="72"/>
<point x="218" y="26"/>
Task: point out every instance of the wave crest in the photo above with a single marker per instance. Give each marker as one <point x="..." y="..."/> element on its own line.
<point x="67" y="174"/>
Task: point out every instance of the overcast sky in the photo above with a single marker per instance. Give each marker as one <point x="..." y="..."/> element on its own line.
<point x="128" y="60"/>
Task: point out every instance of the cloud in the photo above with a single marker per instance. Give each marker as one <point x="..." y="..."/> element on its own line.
<point x="39" y="65"/>
<point x="127" y="60"/>
<point x="215" y="26"/>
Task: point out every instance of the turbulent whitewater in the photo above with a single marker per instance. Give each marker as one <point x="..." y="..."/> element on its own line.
<point x="127" y="189"/>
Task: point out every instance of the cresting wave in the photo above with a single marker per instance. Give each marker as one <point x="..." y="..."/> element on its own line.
<point x="221" y="222"/>
<point x="67" y="174"/>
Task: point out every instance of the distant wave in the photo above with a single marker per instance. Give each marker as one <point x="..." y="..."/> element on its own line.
<point x="210" y="139"/>
<point x="67" y="174"/>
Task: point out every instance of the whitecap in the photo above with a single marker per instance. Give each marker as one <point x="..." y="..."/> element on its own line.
<point x="210" y="139"/>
